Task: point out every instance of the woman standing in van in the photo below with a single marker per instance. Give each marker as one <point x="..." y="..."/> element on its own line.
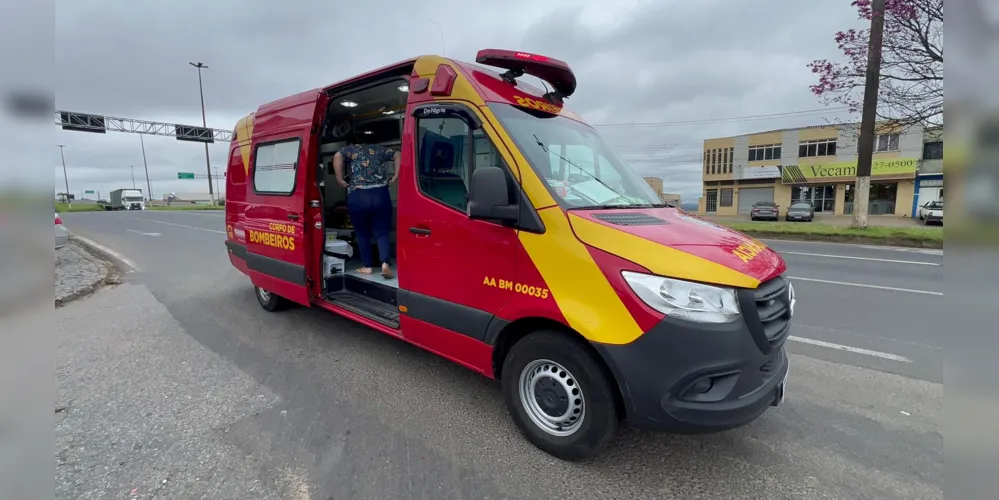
<point x="368" y="200"/>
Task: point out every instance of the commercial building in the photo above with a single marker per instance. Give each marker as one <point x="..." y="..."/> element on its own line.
<point x="819" y="164"/>
<point x="657" y="185"/>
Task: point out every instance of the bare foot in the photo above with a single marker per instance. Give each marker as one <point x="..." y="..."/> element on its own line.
<point x="386" y="271"/>
<point x="365" y="270"/>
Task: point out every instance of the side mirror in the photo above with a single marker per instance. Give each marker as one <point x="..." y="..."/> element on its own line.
<point x="490" y="196"/>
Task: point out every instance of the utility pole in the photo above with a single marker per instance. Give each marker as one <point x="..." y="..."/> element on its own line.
<point x="131" y="168"/>
<point x="65" y="178"/>
<point x="208" y="162"/>
<point x="217" y="190"/>
<point x="145" y="165"/>
<point x="865" y="143"/>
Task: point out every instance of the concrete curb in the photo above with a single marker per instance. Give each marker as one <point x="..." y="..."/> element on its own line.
<point x="111" y="274"/>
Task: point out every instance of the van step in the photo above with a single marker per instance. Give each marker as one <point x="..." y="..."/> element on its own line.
<point x="375" y="310"/>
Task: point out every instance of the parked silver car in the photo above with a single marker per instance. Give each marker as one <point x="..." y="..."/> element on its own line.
<point x="800" y="211"/>
<point x="61" y="233"/>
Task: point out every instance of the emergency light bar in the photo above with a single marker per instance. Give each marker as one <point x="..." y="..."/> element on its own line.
<point x="553" y="71"/>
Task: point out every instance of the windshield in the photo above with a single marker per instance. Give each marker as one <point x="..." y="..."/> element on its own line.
<point x="802" y="206"/>
<point x="935" y="204"/>
<point x="768" y="204"/>
<point x="133" y="198"/>
<point x="579" y="168"/>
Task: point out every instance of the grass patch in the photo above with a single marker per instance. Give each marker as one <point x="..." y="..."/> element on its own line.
<point x="78" y="207"/>
<point x="924" y="237"/>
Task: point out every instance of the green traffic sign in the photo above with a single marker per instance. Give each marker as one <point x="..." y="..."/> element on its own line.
<point x="89" y="191"/>
<point x="185" y="175"/>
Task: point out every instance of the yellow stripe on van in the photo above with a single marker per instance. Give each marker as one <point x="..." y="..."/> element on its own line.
<point x="244" y="134"/>
<point x="657" y="258"/>
<point x="579" y="287"/>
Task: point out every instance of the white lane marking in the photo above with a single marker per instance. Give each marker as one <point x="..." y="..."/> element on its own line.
<point x="916" y="262"/>
<point x="142" y="233"/>
<point x="180" y="225"/>
<point x="214" y="214"/>
<point x="862" y="285"/>
<point x="128" y="262"/>
<point x="855" y="350"/>
<point x="927" y="251"/>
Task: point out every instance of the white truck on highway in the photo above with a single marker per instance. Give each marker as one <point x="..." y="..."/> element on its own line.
<point x="126" y="199"/>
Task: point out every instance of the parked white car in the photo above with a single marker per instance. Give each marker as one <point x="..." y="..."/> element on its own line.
<point x="932" y="212"/>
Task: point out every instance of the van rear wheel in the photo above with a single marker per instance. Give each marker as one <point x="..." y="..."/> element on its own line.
<point x="269" y="301"/>
<point x="560" y="396"/>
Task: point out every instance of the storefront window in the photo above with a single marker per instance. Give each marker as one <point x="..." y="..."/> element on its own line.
<point x="823" y="198"/>
<point x="881" y="199"/>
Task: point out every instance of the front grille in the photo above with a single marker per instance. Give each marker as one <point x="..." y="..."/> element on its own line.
<point x="773" y="307"/>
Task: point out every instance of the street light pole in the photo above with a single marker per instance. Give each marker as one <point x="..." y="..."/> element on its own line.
<point x="217" y="190"/>
<point x="145" y="166"/>
<point x="204" y="123"/>
<point x="131" y="168"/>
<point x="65" y="178"/>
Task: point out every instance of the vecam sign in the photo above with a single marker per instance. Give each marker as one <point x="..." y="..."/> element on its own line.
<point x="895" y="167"/>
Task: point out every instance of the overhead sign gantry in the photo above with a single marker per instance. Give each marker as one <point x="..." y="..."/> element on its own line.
<point x="101" y="124"/>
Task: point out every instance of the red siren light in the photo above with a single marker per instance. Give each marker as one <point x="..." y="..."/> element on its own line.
<point x="553" y="71"/>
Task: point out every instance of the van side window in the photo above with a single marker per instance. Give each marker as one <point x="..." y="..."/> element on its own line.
<point x="442" y="172"/>
<point x="274" y="167"/>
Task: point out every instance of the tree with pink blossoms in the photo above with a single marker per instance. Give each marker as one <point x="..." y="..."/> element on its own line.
<point x="911" y="83"/>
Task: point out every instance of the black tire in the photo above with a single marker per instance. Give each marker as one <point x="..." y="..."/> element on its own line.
<point x="575" y="367"/>
<point x="269" y="301"/>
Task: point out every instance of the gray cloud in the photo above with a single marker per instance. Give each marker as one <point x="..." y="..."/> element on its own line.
<point x="658" y="61"/>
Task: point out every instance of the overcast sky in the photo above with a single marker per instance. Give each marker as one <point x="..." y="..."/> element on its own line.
<point x="636" y="62"/>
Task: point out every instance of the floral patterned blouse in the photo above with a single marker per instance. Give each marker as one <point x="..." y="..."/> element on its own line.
<point x="367" y="165"/>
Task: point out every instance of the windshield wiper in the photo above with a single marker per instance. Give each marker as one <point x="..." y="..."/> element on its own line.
<point x="591" y="176"/>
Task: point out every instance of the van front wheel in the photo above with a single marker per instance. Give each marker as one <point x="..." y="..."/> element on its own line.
<point x="269" y="301"/>
<point x="560" y="396"/>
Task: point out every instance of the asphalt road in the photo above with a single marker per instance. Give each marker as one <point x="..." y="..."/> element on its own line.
<point x="178" y="375"/>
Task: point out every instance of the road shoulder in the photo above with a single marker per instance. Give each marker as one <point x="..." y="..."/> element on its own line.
<point x="80" y="271"/>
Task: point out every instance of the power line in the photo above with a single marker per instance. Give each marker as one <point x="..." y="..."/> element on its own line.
<point x="769" y="116"/>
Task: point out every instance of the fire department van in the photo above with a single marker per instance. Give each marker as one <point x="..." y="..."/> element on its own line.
<point x="525" y="249"/>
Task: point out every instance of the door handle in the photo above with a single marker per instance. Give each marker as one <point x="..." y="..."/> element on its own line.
<point x="420" y="230"/>
<point x="293" y="217"/>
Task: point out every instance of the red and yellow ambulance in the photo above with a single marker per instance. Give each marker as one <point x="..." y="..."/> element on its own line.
<point x="525" y="249"/>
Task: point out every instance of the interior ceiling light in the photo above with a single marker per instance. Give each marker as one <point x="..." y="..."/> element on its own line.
<point x="368" y="132"/>
<point x="403" y="88"/>
<point x="348" y="104"/>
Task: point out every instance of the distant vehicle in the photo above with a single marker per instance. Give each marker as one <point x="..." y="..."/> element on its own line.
<point x="932" y="212"/>
<point x="126" y="199"/>
<point x="800" y="210"/>
<point x="61" y="233"/>
<point x="764" y="210"/>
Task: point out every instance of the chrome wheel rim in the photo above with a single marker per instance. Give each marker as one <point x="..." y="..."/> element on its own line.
<point x="552" y="398"/>
<point x="264" y="294"/>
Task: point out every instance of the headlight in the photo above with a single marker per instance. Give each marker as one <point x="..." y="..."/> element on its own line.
<point x="684" y="299"/>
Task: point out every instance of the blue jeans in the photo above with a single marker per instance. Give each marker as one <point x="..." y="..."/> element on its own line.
<point x="371" y="214"/>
